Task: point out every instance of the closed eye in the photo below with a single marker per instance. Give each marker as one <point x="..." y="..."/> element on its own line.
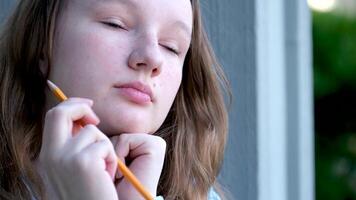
<point x="113" y="25"/>
<point x="171" y="49"/>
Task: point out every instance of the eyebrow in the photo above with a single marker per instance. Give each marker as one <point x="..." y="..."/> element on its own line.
<point x="180" y="24"/>
<point x="124" y="2"/>
<point x="183" y="26"/>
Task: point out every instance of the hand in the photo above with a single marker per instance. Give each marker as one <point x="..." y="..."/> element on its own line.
<point x="76" y="163"/>
<point x="145" y="154"/>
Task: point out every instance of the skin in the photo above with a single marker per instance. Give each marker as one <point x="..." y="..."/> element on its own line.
<point x="100" y="44"/>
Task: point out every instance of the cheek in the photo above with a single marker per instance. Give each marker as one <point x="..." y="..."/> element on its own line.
<point x="108" y="53"/>
<point x="87" y="51"/>
<point x="87" y="58"/>
<point x="170" y="83"/>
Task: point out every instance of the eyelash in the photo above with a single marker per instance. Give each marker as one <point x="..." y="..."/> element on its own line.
<point x="172" y="50"/>
<point x="118" y="26"/>
<point x="114" y="25"/>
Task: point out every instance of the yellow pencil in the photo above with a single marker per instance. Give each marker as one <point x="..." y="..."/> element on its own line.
<point x="125" y="171"/>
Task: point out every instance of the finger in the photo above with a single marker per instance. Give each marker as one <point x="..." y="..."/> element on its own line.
<point x="87" y="135"/>
<point x="104" y="155"/>
<point x="85" y="119"/>
<point x="59" y="122"/>
<point x="134" y="145"/>
<point x="147" y="153"/>
<point x="114" y="140"/>
<point x="80" y="100"/>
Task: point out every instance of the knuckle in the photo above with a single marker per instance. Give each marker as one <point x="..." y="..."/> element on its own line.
<point x="85" y="106"/>
<point x="122" y="138"/>
<point x="93" y="131"/>
<point x="161" y="146"/>
<point x="157" y="147"/>
<point x="161" y="142"/>
<point x="106" y="142"/>
<point x="114" y="140"/>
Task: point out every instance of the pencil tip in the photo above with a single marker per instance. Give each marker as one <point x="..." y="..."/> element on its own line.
<point x="51" y="85"/>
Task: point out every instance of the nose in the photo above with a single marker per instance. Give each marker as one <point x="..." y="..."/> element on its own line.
<point x="146" y="56"/>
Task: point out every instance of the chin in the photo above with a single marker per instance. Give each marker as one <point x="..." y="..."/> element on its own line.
<point x="125" y="126"/>
<point x="128" y="120"/>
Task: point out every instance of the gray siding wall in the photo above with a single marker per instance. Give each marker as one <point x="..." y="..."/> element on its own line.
<point x="231" y="27"/>
<point x="265" y="49"/>
<point x="5" y="7"/>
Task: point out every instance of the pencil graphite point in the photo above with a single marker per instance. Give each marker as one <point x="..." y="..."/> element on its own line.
<point x="56" y="91"/>
<point x="51" y="85"/>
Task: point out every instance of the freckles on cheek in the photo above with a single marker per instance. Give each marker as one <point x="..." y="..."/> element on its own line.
<point x="103" y="52"/>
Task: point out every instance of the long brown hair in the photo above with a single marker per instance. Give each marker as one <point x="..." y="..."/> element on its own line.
<point x="195" y="128"/>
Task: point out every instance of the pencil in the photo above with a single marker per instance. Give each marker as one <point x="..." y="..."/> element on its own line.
<point x="125" y="171"/>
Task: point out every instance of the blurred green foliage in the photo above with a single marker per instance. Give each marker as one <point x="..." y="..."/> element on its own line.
<point x="336" y="173"/>
<point x="334" y="48"/>
<point x="334" y="52"/>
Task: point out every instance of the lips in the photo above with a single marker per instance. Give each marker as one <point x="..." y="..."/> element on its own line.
<point x="136" y="92"/>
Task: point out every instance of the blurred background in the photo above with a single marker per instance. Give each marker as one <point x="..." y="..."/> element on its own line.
<point x="334" y="64"/>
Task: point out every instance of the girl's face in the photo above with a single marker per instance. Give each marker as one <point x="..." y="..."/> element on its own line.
<point x="126" y="55"/>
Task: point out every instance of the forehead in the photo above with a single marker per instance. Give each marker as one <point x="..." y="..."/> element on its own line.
<point x="179" y="10"/>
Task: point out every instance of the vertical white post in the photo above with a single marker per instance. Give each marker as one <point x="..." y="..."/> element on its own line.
<point x="305" y="103"/>
<point x="284" y="101"/>
<point x="271" y="100"/>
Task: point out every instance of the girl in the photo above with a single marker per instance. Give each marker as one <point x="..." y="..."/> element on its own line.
<point x="147" y="89"/>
